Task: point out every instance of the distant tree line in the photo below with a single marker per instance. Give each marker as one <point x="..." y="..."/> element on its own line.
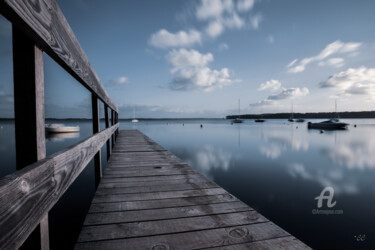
<point x="319" y="115"/>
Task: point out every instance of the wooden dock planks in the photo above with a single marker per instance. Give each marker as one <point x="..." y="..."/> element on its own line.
<point x="150" y="199"/>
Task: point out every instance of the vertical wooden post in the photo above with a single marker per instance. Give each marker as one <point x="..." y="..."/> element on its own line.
<point x="29" y="115"/>
<point x="107" y="126"/>
<point x="113" y="123"/>
<point x="96" y="129"/>
<point x="116" y="123"/>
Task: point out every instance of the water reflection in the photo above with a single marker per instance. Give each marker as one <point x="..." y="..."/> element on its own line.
<point x="337" y="178"/>
<point x="281" y="140"/>
<point x="60" y="137"/>
<point x="357" y="154"/>
<point x="206" y="159"/>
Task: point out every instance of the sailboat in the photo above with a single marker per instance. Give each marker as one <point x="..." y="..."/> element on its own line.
<point x="291" y="118"/>
<point x="134" y="120"/>
<point x="238" y="120"/>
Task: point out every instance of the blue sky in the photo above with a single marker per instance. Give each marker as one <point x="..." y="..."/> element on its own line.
<point x="197" y="58"/>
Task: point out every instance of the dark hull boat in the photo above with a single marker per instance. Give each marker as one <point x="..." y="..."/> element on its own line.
<point x="331" y="124"/>
<point x="259" y="120"/>
<point x="237" y="120"/>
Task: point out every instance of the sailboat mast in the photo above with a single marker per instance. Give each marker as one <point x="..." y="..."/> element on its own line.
<point x="239" y="108"/>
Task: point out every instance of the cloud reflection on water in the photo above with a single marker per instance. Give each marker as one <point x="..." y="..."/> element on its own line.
<point x="280" y="141"/>
<point x="357" y="154"/>
<point x="333" y="177"/>
<point x="206" y="158"/>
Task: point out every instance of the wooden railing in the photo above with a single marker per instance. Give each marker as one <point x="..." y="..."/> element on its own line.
<point x="27" y="195"/>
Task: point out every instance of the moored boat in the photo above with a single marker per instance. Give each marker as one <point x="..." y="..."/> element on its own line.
<point x="259" y="120"/>
<point x="329" y="124"/>
<point x="60" y="128"/>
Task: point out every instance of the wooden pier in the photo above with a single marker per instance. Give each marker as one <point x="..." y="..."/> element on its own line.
<point x="147" y="197"/>
<point x="150" y="199"/>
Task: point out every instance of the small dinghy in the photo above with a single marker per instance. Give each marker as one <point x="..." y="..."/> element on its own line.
<point x="60" y="128"/>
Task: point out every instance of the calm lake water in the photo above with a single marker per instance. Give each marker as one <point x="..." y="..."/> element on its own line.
<point x="276" y="167"/>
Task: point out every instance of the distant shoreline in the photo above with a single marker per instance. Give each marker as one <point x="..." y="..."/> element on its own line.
<point x="317" y="115"/>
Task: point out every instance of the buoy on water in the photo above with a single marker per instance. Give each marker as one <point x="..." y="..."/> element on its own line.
<point x="201" y="126"/>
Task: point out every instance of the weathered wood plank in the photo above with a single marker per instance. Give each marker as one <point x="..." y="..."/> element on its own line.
<point x="154" y="204"/>
<point x="160" y="188"/>
<point x="181" y="177"/>
<point x="106" y="117"/>
<point x="29" y="115"/>
<point x="164" y="213"/>
<point x="157" y="227"/>
<point x="28" y="194"/>
<point x="287" y="243"/>
<point x="195" y="240"/>
<point x="44" y="22"/>
<point x="140" y="172"/>
<point x="151" y="184"/>
<point x="157" y="195"/>
<point x="28" y="100"/>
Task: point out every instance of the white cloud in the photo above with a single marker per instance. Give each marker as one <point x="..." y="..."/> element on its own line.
<point x="233" y="21"/>
<point x="118" y="81"/>
<point x="255" y="21"/>
<point x="271" y="85"/>
<point x="223" y="46"/>
<point x="215" y="28"/>
<point x="334" y="62"/>
<point x="183" y="58"/>
<point x="334" y="48"/>
<point x="290" y="93"/>
<point x="360" y="81"/>
<point x="165" y="39"/>
<point x="292" y="63"/>
<point x="264" y="102"/>
<point x="221" y="15"/>
<point x="192" y="72"/>
<point x="213" y="8"/>
<point x="245" y="5"/>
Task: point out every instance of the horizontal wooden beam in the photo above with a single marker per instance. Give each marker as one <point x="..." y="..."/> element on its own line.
<point x="28" y="194"/>
<point x="46" y="24"/>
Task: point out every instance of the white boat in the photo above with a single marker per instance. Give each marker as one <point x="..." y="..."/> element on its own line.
<point x="134" y="120"/>
<point x="330" y="124"/>
<point x="60" y="128"/>
<point x="300" y="120"/>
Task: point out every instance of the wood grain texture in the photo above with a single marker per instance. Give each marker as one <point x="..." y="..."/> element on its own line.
<point x="165" y="213"/>
<point x="209" y="238"/>
<point x="28" y="194"/>
<point x="28" y="100"/>
<point x="149" y="199"/>
<point x="154" y="204"/>
<point x="46" y="24"/>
